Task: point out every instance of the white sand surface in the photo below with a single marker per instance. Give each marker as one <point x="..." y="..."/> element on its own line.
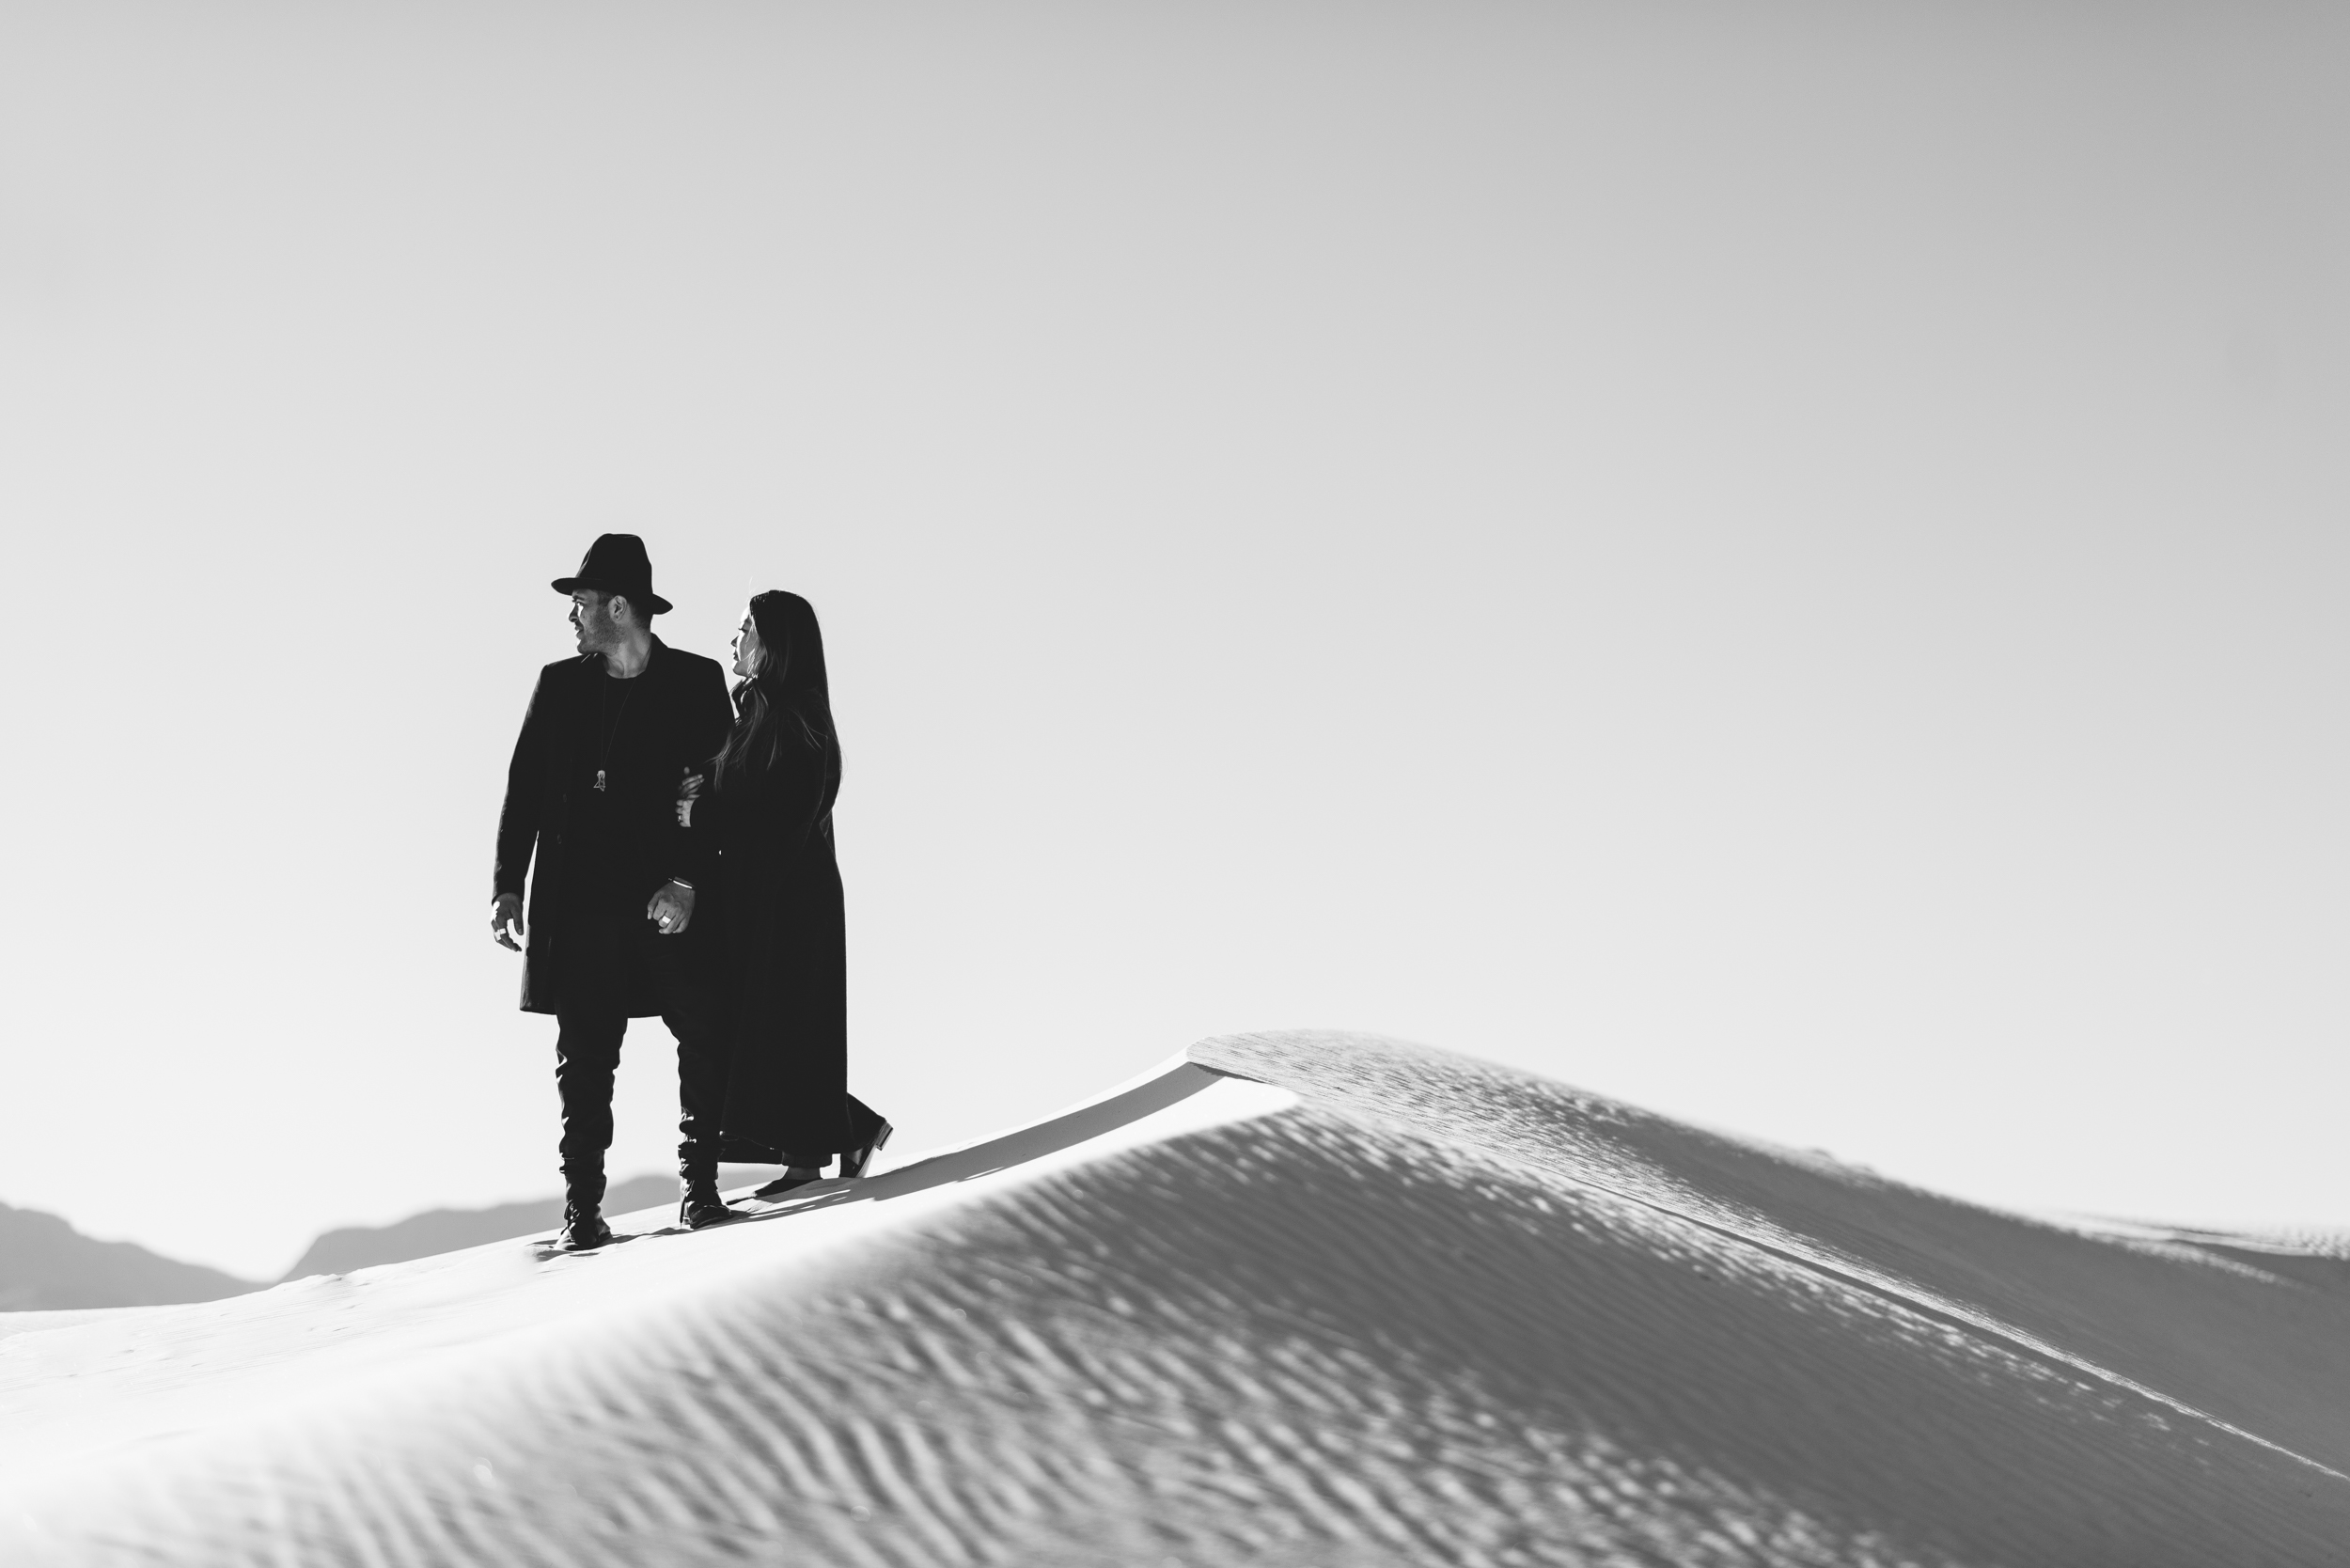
<point x="1300" y="1299"/>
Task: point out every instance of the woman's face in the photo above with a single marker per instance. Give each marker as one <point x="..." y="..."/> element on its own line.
<point x="746" y="649"/>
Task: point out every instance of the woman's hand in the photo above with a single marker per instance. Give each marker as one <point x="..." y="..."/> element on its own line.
<point x="685" y="813"/>
<point x="687" y="793"/>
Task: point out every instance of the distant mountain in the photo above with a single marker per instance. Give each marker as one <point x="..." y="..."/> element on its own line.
<point x="45" y="1264"/>
<point x="438" y="1231"/>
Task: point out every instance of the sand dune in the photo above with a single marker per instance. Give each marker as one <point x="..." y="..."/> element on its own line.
<point x="1298" y="1299"/>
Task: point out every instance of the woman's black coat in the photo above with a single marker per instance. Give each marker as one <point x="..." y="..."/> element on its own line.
<point x="780" y="919"/>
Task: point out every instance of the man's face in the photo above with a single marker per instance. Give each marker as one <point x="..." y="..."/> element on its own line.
<point x="591" y="621"/>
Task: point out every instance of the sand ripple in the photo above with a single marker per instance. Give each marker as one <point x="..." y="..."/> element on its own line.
<point x="1432" y="1313"/>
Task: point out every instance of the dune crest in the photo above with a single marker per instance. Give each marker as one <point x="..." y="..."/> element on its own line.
<point x="1295" y="1298"/>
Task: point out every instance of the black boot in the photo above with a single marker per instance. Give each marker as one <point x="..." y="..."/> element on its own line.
<point x="700" y="1207"/>
<point x="584" y="1229"/>
<point x="582" y="1206"/>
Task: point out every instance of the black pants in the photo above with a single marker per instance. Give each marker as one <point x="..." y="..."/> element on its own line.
<point x="619" y="964"/>
<point x="701" y="1084"/>
<point x="587" y="1054"/>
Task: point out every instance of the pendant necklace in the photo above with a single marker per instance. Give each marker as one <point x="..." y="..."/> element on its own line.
<point x="612" y="731"/>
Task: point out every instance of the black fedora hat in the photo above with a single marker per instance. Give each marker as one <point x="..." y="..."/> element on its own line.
<point x="616" y="563"/>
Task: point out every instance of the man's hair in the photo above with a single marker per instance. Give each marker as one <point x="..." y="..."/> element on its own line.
<point x="603" y="602"/>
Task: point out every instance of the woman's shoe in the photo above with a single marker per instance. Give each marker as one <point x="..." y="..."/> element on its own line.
<point x="701" y="1207"/>
<point x="856" y="1160"/>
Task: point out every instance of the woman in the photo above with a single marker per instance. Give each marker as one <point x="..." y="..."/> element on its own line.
<point x="768" y="799"/>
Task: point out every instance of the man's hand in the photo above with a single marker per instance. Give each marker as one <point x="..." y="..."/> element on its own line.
<point x="507" y="910"/>
<point x="672" y="908"/>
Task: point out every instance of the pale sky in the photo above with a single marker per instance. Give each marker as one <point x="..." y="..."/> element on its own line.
<point x="1781" y="562"/>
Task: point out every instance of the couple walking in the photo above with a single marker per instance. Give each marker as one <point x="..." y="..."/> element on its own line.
<point x="685" y="868"/>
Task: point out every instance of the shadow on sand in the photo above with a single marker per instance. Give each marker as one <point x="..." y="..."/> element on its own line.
<point x="1085" y="1124"/>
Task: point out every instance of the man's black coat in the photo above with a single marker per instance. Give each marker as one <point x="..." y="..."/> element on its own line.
<point x="675" y="717"/>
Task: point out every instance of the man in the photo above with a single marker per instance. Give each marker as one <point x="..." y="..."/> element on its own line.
<point x="592" y="787"/>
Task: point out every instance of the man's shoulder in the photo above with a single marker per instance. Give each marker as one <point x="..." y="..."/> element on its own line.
<point x="572" y="668"/>
<point x="692" y="667"/>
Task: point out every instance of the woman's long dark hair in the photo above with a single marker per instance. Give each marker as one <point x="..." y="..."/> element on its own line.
<point x="786" y="699"/>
